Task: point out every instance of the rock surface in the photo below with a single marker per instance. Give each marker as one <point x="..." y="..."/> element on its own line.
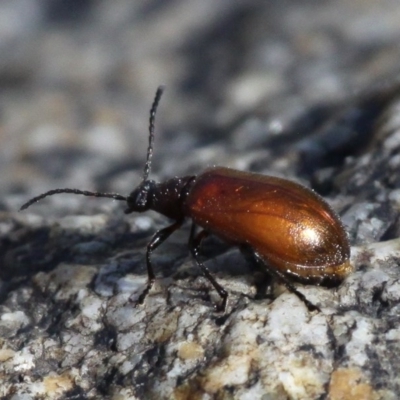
<point x="305" y="90"/>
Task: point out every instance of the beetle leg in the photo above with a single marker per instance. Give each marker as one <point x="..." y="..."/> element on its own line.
<point x="194" y="246"/>
<point x="158" y="238"/>
<point x="282" y="278"/>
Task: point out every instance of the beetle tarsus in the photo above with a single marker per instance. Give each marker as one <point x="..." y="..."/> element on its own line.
<point x="145" y="292"/>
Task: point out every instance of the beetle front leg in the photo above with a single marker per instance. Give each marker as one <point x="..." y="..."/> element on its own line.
<point x="158" y="238"/>
<point x="194" y="247"/>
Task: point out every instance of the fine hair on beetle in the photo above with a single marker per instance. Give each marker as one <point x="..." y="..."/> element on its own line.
<point x="285" y="228"/>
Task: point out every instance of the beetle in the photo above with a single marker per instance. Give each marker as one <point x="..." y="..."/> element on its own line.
<point x="286" y="228"/>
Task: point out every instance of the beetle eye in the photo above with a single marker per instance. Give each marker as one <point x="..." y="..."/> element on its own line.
<point x="141" y="198"/>
<point x="138" y="200"/>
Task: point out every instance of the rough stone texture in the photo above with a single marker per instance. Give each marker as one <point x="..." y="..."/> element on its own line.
<point x="306" y="90"/>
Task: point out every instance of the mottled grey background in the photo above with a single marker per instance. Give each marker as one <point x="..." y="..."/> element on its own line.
<point x="306" y="89"/>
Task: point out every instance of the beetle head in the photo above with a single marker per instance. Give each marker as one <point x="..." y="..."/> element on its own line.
<point x="140" y="198"/>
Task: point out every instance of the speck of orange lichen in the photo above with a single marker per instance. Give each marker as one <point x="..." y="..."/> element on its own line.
<point x="190" y="351"/>
<point x="350" y="384"/>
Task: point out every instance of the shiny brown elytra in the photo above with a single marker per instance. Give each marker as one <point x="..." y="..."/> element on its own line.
<point x="291" y="228"/>
<point x="288" y="229"/>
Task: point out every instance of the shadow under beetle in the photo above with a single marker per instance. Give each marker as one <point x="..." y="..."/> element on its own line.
<point x="287" y="228"/>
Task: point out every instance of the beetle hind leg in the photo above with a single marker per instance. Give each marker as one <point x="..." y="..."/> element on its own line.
<point x="281" y="278"/>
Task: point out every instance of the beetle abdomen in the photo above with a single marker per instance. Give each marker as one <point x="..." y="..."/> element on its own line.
<point x="289" y="226"/>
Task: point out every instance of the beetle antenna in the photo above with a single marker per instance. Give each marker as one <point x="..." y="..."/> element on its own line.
<point x="153" y="111"/>
<point x="114" y="196"/>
